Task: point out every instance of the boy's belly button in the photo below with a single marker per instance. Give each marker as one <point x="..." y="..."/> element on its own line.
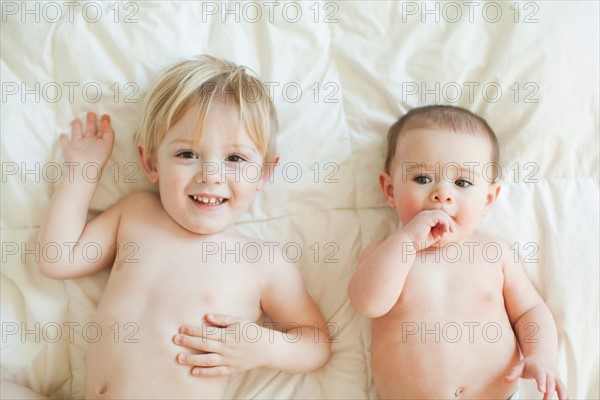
<point x="103" y="389"/>
<point x="459" y="392"/>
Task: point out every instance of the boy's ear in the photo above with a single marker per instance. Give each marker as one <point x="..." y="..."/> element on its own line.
<point x="491" y="197"/>
<point x="387" y="188"/>
<point x="267" y="172"/>
<point x="149" y="165"/>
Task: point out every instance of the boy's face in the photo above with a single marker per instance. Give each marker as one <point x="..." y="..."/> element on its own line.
<point x="440" y="169"/>
<point x="206" y="185"/>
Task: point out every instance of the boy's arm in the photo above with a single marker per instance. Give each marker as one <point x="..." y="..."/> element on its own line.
<point x="383" y="267"/>
<point x="297" y="341"/>
<point x="83" y="248"/>
<point x="535" y="330"/>
<point x="301" y="341"/>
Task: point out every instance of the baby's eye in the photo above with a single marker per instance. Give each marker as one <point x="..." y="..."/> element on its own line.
<point x="235" y="158"/>
<point x="187" y="154"/>
<point x="463" y="183"/>
<point x="421" y="180"/>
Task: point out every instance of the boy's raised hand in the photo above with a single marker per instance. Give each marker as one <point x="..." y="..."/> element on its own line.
<point x="91" y="145"/>
<point x="428" y="227"/>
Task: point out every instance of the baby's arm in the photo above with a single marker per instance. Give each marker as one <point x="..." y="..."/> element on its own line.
<point x="298" y="342"/>
<point x="535" y="330"/>
<point x="64" y="224"/>
<point x="383" y="267"/>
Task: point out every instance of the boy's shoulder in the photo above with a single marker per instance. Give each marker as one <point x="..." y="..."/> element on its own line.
<point x="140" y="200"/>
<point x="143" y="195"/>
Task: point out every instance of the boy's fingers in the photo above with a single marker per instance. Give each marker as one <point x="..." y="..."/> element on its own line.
<point x="196" y="343"/>
<point x="212" y="371"/>
<point x="105" y="123"/>
<point x="64" y="140"/>
<point x="76" y="130"/>
<point x="106" y="131"/>
<point x="201" y="360"/>
<point x="221" y="320"/>
<point x="90" y="125"/>
<point x="190" y="330"/>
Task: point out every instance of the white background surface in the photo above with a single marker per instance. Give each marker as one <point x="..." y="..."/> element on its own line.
<point x="359" y="66"/>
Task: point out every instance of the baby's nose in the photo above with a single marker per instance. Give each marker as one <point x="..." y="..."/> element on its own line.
<point x="441" y="195"/>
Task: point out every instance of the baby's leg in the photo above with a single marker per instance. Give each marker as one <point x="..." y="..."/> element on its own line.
<point x="12" y="391"/>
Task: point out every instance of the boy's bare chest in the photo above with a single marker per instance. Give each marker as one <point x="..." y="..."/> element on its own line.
<point x="175" y="274"/>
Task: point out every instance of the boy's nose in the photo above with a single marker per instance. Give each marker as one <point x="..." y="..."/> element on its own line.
<point x="210" y="173"/>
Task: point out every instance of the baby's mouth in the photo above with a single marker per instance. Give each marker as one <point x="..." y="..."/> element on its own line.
<point x="206" y="200"/>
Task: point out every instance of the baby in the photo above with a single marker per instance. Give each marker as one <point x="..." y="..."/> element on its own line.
<point x="207" y="139"/>
<point x="446" y="308"/>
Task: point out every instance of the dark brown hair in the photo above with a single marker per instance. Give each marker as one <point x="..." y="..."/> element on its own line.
<point x="452" y="118"/>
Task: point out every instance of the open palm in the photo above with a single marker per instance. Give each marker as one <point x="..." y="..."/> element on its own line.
<point x="90" y="146"/>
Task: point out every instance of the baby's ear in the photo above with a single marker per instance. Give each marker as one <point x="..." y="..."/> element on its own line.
<point x="267" y="172"/>
<point x="387" y="187"/>
<point x="149" y="164"/>
<point x="493" y="192"/>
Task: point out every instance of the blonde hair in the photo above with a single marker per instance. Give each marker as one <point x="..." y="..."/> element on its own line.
<point x="457" y="119"/>
<point x="198" y="82"/>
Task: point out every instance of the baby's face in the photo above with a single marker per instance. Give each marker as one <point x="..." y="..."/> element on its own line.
<point x="439" y="169"/>
<point x="206" y="185"/>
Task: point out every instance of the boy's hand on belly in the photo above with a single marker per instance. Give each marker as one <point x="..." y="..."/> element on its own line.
<point x="536" y="367"/>
<point x="229" y="345"/>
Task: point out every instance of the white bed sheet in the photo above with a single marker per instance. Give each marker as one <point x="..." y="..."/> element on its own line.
<point x="340" y="74"/>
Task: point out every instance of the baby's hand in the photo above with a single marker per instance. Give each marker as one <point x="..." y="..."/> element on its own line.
<point x="90" y="146"/>
<point x="536" y="367"/>
<point x="224" y="345"/>
<point x="428" y="227"/>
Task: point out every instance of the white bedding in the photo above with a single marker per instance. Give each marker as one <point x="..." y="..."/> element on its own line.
<point x="340" y="74"/>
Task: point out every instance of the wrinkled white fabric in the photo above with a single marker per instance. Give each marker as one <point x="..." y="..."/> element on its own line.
<point x="340" y="74"/>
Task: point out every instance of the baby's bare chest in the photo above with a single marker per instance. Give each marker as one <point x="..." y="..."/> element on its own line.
<point x="439" y="284"/>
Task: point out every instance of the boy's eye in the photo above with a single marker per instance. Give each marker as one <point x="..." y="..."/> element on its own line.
<point x="234" y="158"/>
<point x="187" y="154"/>
<point x="422" y="180"/>
<point x="463" y="183"/>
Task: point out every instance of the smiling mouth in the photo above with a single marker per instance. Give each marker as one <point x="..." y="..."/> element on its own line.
<point x="209" y="201"/>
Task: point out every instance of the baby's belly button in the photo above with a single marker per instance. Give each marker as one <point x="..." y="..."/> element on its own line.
<point x="459" y="391"/>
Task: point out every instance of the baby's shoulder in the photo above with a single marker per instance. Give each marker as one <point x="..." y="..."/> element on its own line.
<point x="369" y="249"/>
<point x="485" y="239"/>
<point x="493" y="248"/>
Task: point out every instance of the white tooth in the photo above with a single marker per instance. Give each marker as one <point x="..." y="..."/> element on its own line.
<point x="195" y="197"/>
<point x="204" y="200"/>
<point x="212" y="200"/>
